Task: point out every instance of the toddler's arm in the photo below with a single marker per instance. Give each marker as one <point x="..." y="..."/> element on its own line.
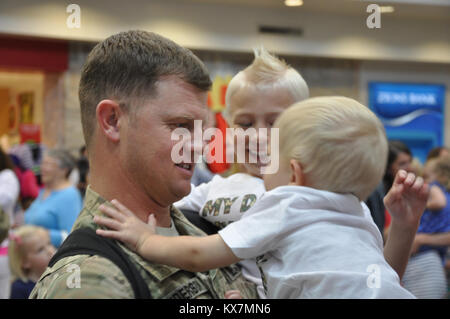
<point x="406" y="202"/>
<point x="184" y="252"/>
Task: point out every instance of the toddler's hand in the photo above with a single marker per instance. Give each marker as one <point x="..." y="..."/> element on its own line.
<point x="125" y="226"/>
<point x="233" y="294"/>
<point x="407" y="199"/>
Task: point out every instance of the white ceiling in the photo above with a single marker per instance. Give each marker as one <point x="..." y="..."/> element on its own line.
<point x="404" y="9"/>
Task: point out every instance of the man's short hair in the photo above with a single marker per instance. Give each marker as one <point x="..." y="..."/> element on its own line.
<point x="340" y="143"/>
<point x="126" y="66"/>
<point x="270" y="73"/>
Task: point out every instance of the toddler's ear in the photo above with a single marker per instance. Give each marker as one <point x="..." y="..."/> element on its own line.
<point x="297" y="175"/>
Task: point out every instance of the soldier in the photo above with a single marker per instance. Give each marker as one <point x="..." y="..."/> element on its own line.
<point x="137" y="87"/>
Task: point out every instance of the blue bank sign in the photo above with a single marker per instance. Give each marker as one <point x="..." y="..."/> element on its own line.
<point x="412" y="113"/>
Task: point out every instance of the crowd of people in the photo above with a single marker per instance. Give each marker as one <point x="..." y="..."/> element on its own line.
<point x="344" y="198"/>
<point x="40" y="204"/>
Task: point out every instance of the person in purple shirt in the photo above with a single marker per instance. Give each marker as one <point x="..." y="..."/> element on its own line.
<point x="59" y="202"/>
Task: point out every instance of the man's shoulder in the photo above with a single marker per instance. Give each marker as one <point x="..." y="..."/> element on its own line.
<point x="82" y="276"/>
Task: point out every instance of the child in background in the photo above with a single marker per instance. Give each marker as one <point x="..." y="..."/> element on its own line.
<point x="436" y="218"/>
<point x="311" y="232"/>
<point x="29" y="252"/>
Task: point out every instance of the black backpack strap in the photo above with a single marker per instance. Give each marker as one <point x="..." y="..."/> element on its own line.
<point x="200" y="222"/>
<point x="84" y="241"/>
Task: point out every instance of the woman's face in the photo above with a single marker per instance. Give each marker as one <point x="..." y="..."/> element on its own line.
<point x="51" y="171"/>
<point x="403" y="161"/>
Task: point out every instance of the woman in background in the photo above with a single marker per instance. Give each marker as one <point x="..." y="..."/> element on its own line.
<point x="399" y="157"/>
<point x="59" y="202"/>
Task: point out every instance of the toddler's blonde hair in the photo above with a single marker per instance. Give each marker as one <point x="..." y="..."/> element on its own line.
<point x="269" y="73"/>
<point x="17" y="251"/>
<point x="339" y="142"/>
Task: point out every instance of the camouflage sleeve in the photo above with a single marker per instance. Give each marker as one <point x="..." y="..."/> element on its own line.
<point x="83" y="277"/>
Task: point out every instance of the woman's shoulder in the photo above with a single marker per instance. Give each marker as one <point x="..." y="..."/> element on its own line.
<point x="69" y="192"/>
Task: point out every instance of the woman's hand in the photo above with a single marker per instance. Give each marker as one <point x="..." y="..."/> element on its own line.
<point x="125" y="226"/>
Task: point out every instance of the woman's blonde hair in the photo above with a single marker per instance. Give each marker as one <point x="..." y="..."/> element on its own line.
<point x="17" y="251"/>
<point x="267" y="72"/>
<point x="339" y="142"/>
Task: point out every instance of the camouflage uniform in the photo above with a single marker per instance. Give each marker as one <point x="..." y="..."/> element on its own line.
<point x="100" y="278"/>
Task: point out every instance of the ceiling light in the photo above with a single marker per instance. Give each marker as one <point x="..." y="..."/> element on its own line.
<point x="293" y="3"/>
<point x="386" y="9"/>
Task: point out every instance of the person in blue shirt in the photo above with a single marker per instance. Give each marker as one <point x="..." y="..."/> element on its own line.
<point x="425" y="276"/>
<point x="59" y="202"/>
<point x="436" y="219"/>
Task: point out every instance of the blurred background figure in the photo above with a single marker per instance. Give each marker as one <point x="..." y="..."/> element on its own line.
<point x="29" y="188"/>
<point x="9" y="194"/>
<point x="59" y="202"/>
<point x="438" y="152"/>
<point x="82" y="166"/>
<point x="425" y="275"/>
<point x="399" y="157"/>
<point x="29" y="253"/>
<point x="416" y="167"/>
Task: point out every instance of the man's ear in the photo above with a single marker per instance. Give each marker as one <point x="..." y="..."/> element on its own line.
<point x="108" y="114"/>
<point x="297" y="175"/>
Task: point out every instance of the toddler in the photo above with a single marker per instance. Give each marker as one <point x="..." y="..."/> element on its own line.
<point x="29" y="253"/>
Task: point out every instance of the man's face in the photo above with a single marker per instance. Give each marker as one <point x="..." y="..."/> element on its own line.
<point x="147" y="145"/>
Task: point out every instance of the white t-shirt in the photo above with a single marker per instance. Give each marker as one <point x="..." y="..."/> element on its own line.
<point x="223" y="201"/>
<point x="314" y="244"/>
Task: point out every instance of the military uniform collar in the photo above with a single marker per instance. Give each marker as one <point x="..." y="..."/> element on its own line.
<point x="91" y="203"/>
